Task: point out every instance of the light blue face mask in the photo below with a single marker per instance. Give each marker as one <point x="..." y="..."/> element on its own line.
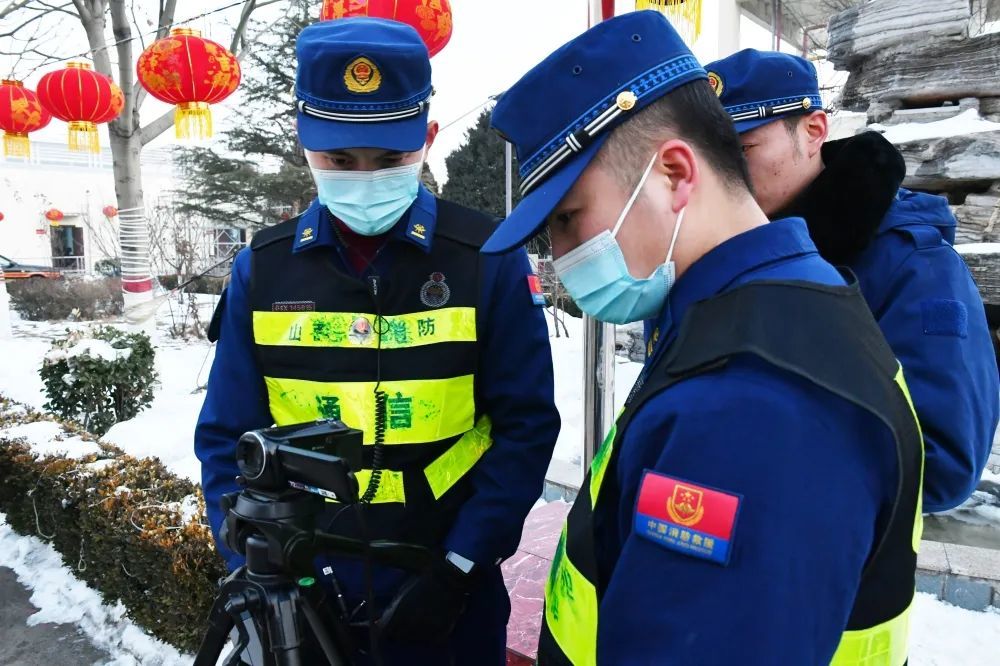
<point x="369" y="202"/>
<point x="596" y="276"/>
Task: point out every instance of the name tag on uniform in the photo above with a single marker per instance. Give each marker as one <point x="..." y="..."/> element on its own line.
<point x="685" y="517"/>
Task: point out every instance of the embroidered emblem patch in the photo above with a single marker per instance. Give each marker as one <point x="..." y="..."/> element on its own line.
<point x="715" y="81"/>
<point x="535" y="288"/>
<point x="435" y="292"/>
<point x="307" y="236"/>
<point x="360" y="331"/>
<point x="362" y="76"/>
<point x="293" y="306"/>
<point x="419" y="231"/>
<point x="687" y="518"/>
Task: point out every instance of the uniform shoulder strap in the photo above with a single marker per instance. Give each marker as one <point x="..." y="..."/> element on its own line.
<point x="271" y="235"/>
<point x="463" y="225"/>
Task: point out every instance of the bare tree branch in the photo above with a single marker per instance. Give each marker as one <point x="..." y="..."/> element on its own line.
<point x="157" y="127"/>
<point x="248" y="7"/>
<point x="135" y="22"/>
<point x="12" y="7"/>
<point x="82" y="10"/>
<point x="58" y="8"/>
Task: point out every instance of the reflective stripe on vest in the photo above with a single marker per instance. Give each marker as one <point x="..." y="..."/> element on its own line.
<point x="334" y="329"/>
<point x="417" y="410"/>
<point x="442" y="474"/>
<point x="571" y="603"/>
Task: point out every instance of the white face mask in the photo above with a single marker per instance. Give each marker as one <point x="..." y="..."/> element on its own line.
<point x="596" y="276"/>
<point x="369" y="202"/>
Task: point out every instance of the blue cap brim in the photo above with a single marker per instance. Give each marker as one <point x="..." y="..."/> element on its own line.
<point x="744" y="126"/>
<point x="405" y="136"/>
<point x="529" y="216"/>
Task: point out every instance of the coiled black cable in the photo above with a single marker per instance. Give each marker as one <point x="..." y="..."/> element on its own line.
<point x="378" y="450"/>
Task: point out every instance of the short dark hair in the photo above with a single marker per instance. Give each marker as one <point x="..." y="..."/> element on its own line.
<point x="691" y="112"/>
<point x="792" y="122"/>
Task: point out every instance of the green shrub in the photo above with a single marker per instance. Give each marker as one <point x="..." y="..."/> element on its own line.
<point x="99" y="377"/>
<point x="120" y="524"/>
<point x="205" y="284"/>
<point x="41" y="299"/>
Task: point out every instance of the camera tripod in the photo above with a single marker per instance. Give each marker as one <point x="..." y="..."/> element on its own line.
<point x="275" y="596"/>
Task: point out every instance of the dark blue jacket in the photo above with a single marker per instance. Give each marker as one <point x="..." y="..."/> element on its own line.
<point x="929" y="309"/>
<point x="815" y="474"/>
<point x="518" y="397"/>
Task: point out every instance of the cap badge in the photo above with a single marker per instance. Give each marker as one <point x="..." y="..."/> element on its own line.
<point x="362" y="76"/>
<point x="806" y="103"/>
<point x="715" y="81"/>
<point x="626" y="100"/>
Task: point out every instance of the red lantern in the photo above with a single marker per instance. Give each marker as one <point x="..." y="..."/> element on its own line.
<point x="81" y="97"/>
<point x="430" y="18"/>
<point x="192" y="72"/>
<point x="1" y="217"/>
<point x="110" y="212"/>
<point x="20" y="113"/>
<point x="55" y="216"/>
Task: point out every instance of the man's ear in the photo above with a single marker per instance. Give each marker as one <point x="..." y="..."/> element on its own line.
<point x="677" y="163"/>
<point x="814" y="128"/>
<point x="432" y="131"/>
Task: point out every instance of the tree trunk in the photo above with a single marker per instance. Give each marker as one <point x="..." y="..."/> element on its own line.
<point x="133" y="230"/>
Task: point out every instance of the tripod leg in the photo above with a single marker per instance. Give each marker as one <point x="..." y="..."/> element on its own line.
<point x="330" y="651"/>
<point x="219" y="625"/>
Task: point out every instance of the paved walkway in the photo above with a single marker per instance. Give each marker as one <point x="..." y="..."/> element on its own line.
<point x="43" y="644"/>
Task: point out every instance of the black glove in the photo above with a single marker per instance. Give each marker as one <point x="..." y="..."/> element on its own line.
<point x="429" y="604"/>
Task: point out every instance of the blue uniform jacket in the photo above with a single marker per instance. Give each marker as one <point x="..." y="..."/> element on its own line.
<point x="929" y="309"/>
<point x="518" y="397"/>
<point x="815" y="474"/>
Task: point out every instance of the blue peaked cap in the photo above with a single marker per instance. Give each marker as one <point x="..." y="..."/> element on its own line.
<point x="362" y="83"/>
<point x="759" y="87"/>
<point x="561" y="112"/>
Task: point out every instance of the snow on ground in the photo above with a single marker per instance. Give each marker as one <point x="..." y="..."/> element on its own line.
<point x="47" y="438"/>
<point x="967" y="122"/>
<point x="62" y="598"/>
<point x="945" y="635"/>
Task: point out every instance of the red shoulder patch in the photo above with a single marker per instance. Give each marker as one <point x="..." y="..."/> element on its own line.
<point x="686" y="517"/>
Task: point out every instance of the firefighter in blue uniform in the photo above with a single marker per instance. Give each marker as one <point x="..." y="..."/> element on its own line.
<point x="375" y="307"/>
<point x="898" y="243"/>
<point x="758" y="499"/>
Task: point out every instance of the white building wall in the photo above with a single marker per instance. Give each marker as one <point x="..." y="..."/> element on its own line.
<point x="80" y="185"/>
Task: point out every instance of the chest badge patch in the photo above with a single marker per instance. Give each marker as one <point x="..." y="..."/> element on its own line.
<point x="687" y="518"/>
<point x="535" y="288"/>
<point x="360" y="331"/>
<point x="435" y="293"/>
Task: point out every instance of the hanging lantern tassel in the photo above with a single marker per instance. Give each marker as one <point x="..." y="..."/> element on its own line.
<point x="684" y="15"/>
<point x="16" y="144"/>
<point x="83" y="137"/>
<point x="193" y="120"/>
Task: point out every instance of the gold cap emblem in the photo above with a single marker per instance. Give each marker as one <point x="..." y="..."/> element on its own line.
<point x="715" y="81"/>
<point x="626" y="100"/>
<point x="806" y="103"/>
<point x="362" y="76"/>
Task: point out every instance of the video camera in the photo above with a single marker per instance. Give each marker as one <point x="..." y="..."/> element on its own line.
<point x="288" y="473"/>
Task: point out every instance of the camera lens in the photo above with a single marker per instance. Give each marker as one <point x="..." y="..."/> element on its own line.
<point x="251" y="455"/>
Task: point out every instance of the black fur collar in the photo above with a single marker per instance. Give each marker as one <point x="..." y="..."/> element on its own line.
<point x="844" y="206"/>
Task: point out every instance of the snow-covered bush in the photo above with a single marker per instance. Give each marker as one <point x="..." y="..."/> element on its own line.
<point x="126" y="526"/>
<point x="99" y="377"/>
<point x="40" y="299"/>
